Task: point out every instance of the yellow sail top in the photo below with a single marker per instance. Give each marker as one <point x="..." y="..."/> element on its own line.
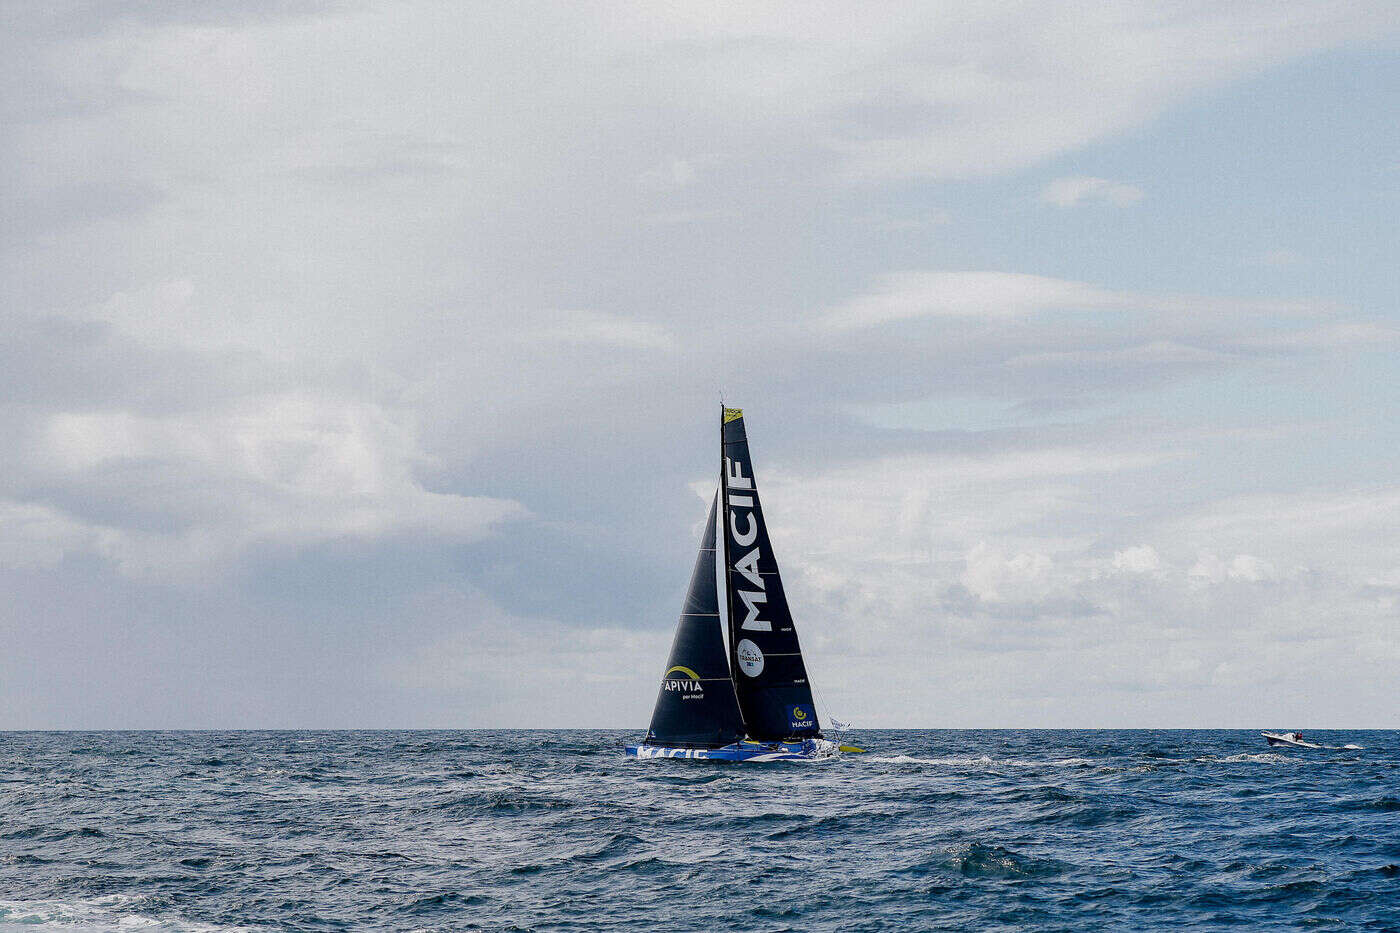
<point x="733" y="414"/>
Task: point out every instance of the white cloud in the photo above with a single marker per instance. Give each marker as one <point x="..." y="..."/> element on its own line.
<point x="1251" y="569"/>
<point x="1078" y="189"/>
<point x="192" y="492"/>
<point x="1342" y="335"/>
<point x="1030" y="564"/>
<point x="905" y="295"/>
<point x="984" y="294"/>
<point x="35" y="535"/>
<point x="1156" y="353"/>
<point x="400" y="93"/>
<point x="992" y="577"/>
<point x="1345" y="528"/>
<point x="1140" y="559"/>
<point x="1243" y="568"/>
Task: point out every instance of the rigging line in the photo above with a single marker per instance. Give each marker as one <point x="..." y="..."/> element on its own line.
<point x="819" y="700"/>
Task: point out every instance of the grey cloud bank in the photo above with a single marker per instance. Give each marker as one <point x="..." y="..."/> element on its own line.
<point x="359" y="367"/>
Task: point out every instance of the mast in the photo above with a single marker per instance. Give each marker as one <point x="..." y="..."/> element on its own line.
<point x="770" y="678"/>
<point x="722" y="553"/>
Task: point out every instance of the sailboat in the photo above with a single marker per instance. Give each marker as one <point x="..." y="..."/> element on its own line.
<point x="747" y="697"/>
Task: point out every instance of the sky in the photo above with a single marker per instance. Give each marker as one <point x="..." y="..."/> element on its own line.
<point x="360" y="363"/>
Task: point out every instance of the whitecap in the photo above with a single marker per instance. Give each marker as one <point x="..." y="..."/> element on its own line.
<point x="986" y="761"/>
<point x="957" y="762"/>
<point x="110" y="912"/>
<point x="1252" y="756"/>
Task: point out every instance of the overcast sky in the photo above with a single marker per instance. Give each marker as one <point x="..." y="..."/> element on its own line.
<point x="360" y="364"/>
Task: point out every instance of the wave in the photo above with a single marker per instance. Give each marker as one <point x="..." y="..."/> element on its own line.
<point x="992" y="861"/>
<point x="616" y="846"/>
<point x="444" y="901"/>
<point x="1258" y="757"/>
<point x="1386" y="803"/>
<point x="912" y="760"/>
<point x="509" y="801"/>
<point x="835" y="826"/>
<point x="986" y="761"/>
<point x="112" y="911"/>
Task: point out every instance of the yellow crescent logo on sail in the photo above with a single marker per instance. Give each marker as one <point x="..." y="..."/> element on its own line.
<point x="679" y="669"/>
<point x="733" y="414"/>
<point x="799" y="713"/>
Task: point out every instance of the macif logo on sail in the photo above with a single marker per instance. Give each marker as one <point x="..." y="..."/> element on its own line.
<point x="748" y="564"/>
<point x="799" y="717"/>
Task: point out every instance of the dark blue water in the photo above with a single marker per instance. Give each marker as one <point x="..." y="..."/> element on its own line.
<point x="557" y="831"/>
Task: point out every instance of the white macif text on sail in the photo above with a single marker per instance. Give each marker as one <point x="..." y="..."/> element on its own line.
<point x="748" y="564"/>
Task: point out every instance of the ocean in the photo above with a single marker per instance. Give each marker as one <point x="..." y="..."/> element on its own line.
<point x="512" y="830"/>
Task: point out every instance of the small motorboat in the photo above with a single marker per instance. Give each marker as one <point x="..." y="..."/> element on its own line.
<point x="1287" y="740"/>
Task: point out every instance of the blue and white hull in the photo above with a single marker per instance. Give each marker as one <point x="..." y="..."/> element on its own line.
<point x="806" y="750"/>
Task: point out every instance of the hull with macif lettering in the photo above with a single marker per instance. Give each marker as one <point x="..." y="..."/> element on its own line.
<point x="807" y="750"/>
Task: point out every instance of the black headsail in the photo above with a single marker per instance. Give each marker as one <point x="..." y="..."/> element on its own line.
<point x="696" y="705"/>
<point x="769" y="676"/>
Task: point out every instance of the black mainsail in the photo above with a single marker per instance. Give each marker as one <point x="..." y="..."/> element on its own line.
<point x="696" y="706"/>
<point x="770" y="678"/>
